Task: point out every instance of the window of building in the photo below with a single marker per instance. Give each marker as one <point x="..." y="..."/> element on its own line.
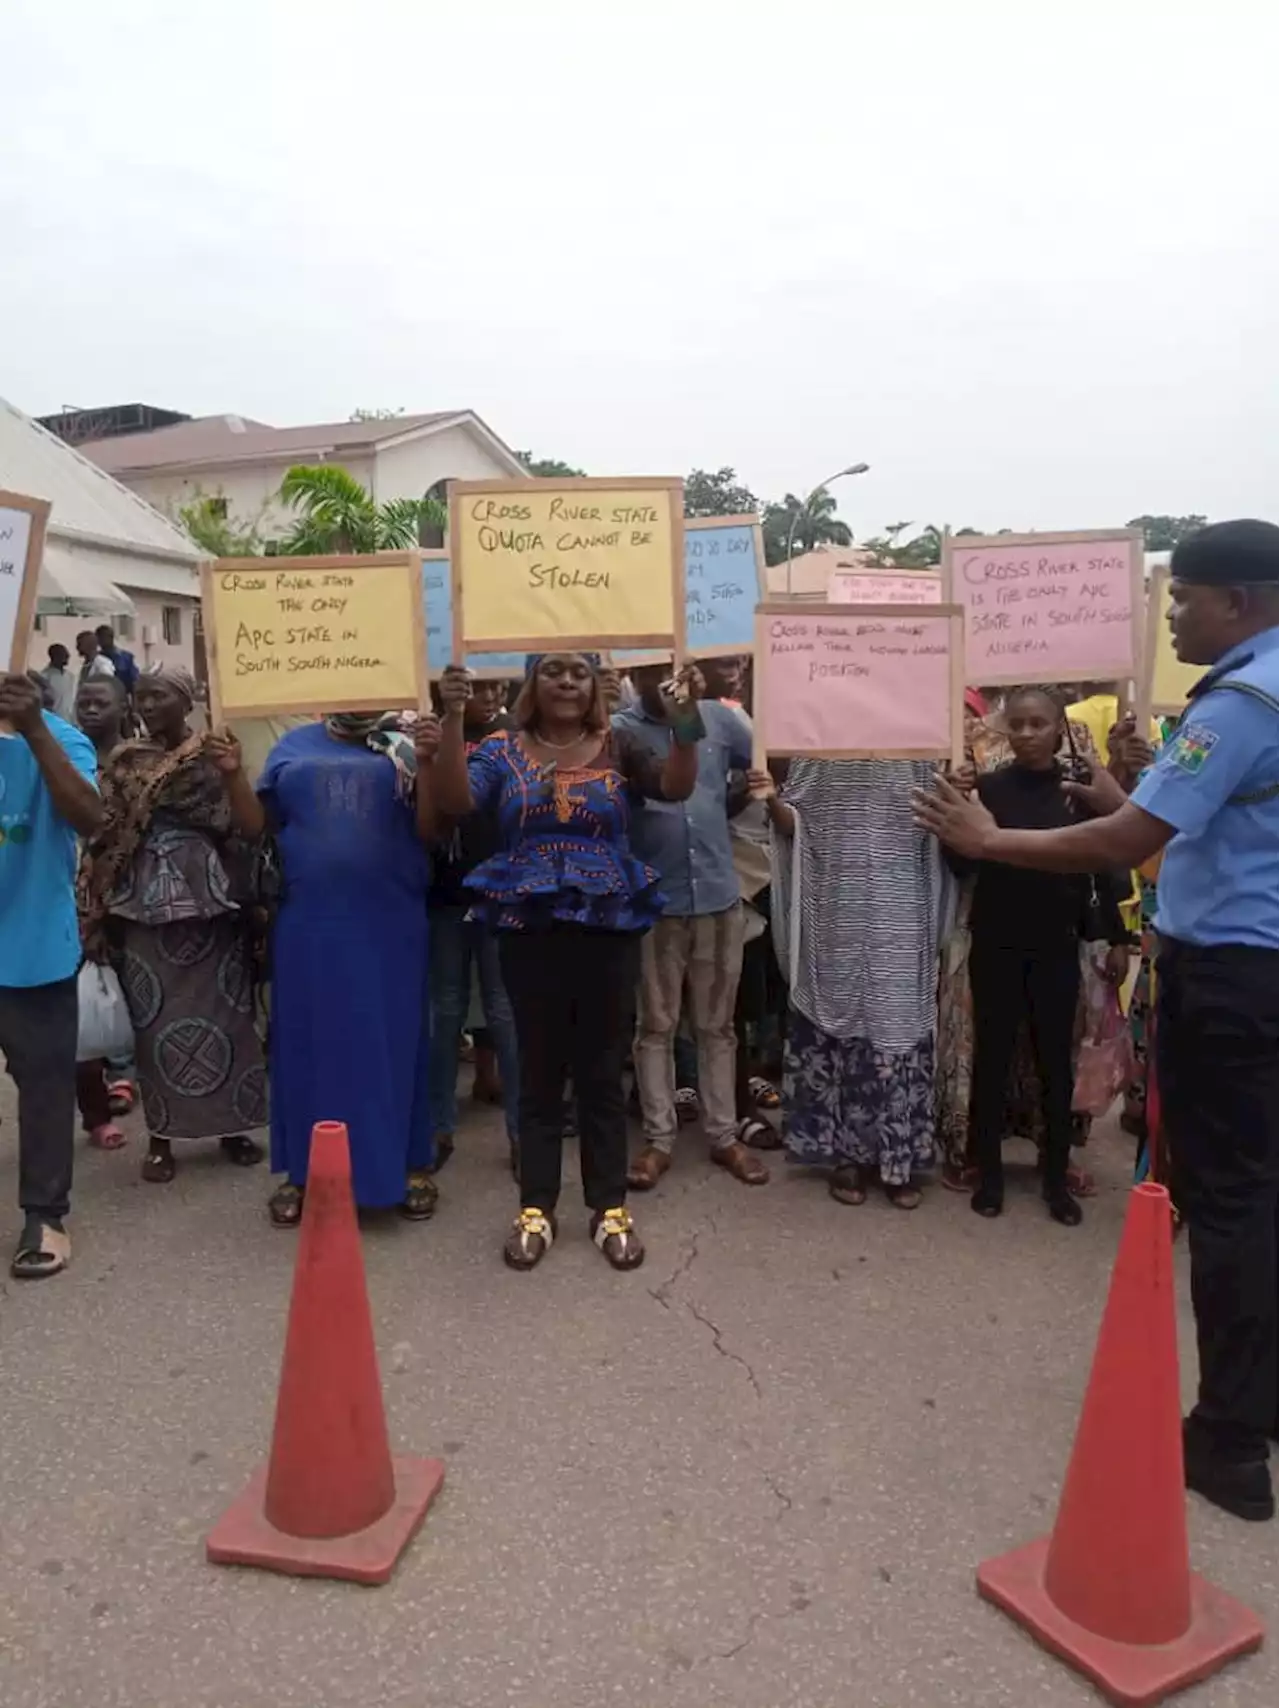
<point x="171" y="624"/>
<point x="123" y="625"/>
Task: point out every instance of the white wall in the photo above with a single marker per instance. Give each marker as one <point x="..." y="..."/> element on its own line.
<point x="409" y="470"/>
<point x="251" y="490"/>
<point x="149" y="618"/>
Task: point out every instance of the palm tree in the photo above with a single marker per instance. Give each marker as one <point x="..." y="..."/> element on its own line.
<point x="815" y="520"/>
<point x="336" y="515"/>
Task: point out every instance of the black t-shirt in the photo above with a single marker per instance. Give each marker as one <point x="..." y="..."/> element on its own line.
<point x="1014" y="908"/>
<point x="472" y="840"/>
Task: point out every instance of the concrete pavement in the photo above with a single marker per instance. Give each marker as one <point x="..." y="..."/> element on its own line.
<point x="757" y="1473"/>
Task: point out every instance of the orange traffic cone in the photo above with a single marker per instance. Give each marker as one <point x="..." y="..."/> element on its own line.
<point x="331" y="1501"/>
<point x="1111" y="1591"/>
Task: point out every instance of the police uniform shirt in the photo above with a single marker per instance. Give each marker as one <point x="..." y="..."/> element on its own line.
<point x="1215" y="783"/>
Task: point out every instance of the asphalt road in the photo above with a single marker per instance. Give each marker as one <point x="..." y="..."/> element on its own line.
<point x="759" y="1472"/>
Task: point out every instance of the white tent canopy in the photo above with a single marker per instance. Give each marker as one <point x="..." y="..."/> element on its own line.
<point x="102" y="539"/>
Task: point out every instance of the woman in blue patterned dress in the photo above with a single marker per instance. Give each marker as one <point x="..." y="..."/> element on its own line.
<point x="858" y="901"/>
<point x="569" y="902"/>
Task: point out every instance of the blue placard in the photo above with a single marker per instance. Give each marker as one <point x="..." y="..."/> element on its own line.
<point x="437" y="604"/>
<point x="721" y="588"/>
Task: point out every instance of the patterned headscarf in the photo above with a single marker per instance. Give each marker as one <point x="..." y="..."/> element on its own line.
<point x="173" y="676"/>
<point x="384" y="733"/>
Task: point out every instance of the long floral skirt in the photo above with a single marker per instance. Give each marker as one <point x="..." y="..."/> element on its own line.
<point x="846" y="1102"/>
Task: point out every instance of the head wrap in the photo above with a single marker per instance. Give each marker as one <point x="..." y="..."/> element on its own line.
<point x="174" y="676"/>
<point x="533" y="659"/>
<point x="1229" y="554"/>
<point x="975" y="702"/>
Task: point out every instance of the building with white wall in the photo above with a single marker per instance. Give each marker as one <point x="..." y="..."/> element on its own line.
<point x="109" y="557"/>
<point x="240" y="463"/>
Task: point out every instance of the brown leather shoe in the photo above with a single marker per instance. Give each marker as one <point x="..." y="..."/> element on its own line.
<point x="648" y="1168"/>
<point x="743" y="1164"/>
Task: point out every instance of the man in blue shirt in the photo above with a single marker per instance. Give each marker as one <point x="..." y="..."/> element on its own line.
<point x="694" y="952"/>
<point x="126" y="666"/>
<point x="1211" y="802"/>
<point x="48" y="795"/>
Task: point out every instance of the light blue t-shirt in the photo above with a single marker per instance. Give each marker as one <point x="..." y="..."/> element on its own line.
<point x="39" y="936"/>
<point x="1215" y="783"/>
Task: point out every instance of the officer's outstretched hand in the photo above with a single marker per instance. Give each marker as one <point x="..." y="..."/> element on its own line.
<point x="961" y="821"/>
<point x="1102" y="794"/>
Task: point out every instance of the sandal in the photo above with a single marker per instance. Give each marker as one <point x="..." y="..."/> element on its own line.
<point x="847" y="1185"/>
<point x="648" y="1168"/>
<point x="959" y="1179"/>
<point x="903" y="1195"/>
<point x="420" y="1198"/>
<point x="532" y="1235"/>
<point x="615" y="1233"/>
<point x="121" y="1096"/>
<point x="759" y="1134"/>
<point x="766" y="1096"/>
<point x="687" y="1106"/>
<point x="158" y="1166"/>
<point x="107" y="1137"/>
<point x="241" y="1150"/>
<point x="742" y="1164"/>
<point x="44" y="1248"/>
<point x="285" y="1206"/>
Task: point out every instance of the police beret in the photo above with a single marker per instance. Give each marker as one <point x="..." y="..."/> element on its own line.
<point x="1228" y="554"/>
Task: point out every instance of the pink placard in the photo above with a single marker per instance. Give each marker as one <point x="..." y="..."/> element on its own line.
<point x="840" y="680"/>
<point x="852" y="587"/>
<point x="1051" y="608"/>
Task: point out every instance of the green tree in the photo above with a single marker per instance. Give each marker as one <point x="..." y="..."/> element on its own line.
<point x="1162" y="533"/>
<point x="209" y="523"/>
<point x="549" y="468"/>
<point x="336" y="514"/>
<point x="815" y="523"/>
<point x="717" y="492"/>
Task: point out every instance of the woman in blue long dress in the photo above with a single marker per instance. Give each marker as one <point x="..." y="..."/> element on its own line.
<point x="349" y="1025"/>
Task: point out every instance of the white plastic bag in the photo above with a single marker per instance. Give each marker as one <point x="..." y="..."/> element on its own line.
<point x="104" y="1027"/>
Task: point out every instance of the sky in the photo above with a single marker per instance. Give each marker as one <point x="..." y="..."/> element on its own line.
<point x="1019" y="257"/>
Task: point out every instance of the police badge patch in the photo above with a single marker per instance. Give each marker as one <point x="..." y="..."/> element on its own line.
<point x="1192" y="747"/>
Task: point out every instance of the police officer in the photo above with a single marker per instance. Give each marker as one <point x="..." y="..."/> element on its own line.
<point x="1212" y="803"/>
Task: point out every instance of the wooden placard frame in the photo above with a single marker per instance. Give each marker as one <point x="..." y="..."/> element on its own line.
<point x="1147" y="705"/>
<point x="746" y="519"/>
<point x="38" y="509"/>
<point x="484" y="672"/>
<point x="952" y="543"/>
<point x="672" y="485"/>
<point x="409" y="560"/>
<point x="763" y="749"/>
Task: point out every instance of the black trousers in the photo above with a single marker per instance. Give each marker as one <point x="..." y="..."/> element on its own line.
<point x="1043" y="984"/>
<point x="573" y="995"/>
<point x="38" y="1037"/>
<point x="1216" y="1040"/>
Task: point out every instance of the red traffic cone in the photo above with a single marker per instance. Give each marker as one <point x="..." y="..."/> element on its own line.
<point x="1111" y="1591"/>
<point x="331" y="1501"/>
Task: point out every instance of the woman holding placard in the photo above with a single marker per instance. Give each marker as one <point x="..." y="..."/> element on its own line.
<point x="857" y="904"/>
<point x="569" y="902"/>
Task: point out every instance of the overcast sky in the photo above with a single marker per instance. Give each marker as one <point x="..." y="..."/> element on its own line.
<point x="1020" y="257"/>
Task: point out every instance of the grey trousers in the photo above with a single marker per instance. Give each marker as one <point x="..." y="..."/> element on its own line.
<point x="699" y="960"/>
<point x="38" y="1037"/>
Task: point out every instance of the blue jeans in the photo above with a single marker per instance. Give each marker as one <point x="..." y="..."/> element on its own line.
<point x="453" y="944"/>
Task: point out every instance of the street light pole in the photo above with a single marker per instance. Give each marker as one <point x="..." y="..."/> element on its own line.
<point x="853" y="468"/>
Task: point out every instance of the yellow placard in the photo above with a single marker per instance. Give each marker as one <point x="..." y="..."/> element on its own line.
<point x="577" y="563"/>
<point x="314" y="634"/>
<point x="1171" y="680"/>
